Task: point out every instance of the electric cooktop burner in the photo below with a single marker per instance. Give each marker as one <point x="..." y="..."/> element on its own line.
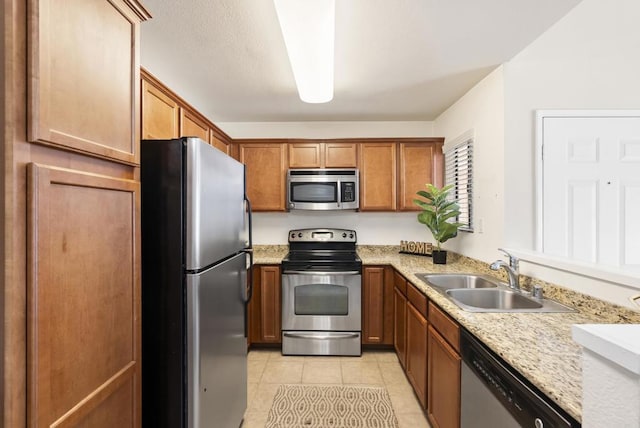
<point x="322" y="250"/>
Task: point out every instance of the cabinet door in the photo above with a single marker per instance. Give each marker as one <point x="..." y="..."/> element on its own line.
<point x="340" y="155"/>
<point x="218" y="143"/>
<point x="420" y="163"/>
<point x="83" y="71"/>
<point x="416" y="367"/>
<point x="160" y="114"/>
<point x="378" y="177"/>
<point x="306" y="155"/>
<point x="444" y="383"/>
<point x="83" y="299"/>
<point x="270" y="305"/>
<point x="193" y="126"/>
<point x="400" y="326"/>
<point x="266" y="170"/>
<point x="373" y="305"/>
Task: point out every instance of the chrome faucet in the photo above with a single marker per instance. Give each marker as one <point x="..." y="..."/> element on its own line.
<point x="512" y="269"/>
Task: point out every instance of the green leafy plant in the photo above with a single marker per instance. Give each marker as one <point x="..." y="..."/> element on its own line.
<point x="436" y="210"/>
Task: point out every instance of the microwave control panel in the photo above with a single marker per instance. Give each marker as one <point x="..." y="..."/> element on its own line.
<point x="348" y="191"/>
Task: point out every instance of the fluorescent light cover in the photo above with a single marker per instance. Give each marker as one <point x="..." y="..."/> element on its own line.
<point x="308" y="28"/>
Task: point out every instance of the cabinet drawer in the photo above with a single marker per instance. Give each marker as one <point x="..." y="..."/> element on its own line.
<point x="447" y="327"/>
<point x="418" y="299"/>
<point x="399" y="282"/>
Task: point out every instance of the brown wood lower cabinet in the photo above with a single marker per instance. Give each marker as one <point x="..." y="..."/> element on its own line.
<point x="265" y="314"/>
<point x="416" y="367"/>
<point x="377" y="306"/>
<point x="444" y="382"/>
<point x="400" y="318"/>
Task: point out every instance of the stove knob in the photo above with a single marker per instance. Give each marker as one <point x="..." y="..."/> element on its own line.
<point x="293" y="236"/>
<point x="351" y="235"/>
<point x="299" y="235"/>
<point x="344" y="235"/>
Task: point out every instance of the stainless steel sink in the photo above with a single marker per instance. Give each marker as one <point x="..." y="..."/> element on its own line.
<point x="449" y="281"/>
<point x="493" y="299"/>
<point x="483" y="293"/>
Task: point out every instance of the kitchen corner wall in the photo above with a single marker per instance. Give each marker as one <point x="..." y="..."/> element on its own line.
<point x="587" y="60"/>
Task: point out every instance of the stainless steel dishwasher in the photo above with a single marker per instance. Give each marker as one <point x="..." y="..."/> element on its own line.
<point x="494" y="395"/>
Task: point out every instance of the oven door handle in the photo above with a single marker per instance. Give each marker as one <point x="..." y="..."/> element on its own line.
<point x="321" y="336"/>
<point x="311" y="272"/>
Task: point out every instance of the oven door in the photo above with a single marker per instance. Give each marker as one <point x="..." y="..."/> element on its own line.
<point x="318" y="301"/>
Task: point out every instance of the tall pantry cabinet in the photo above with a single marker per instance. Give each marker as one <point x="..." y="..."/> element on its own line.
<point x="71" y="195"/>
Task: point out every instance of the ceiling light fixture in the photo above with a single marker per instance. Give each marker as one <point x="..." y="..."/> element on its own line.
<point x="308" y="28"/>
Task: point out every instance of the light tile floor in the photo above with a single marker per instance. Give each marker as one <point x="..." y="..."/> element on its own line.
<point x="269" y="368"/>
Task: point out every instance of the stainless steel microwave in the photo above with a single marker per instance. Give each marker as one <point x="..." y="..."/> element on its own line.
<point x="323" y="189"/>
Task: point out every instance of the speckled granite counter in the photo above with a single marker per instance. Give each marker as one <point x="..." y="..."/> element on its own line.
<point x="537" y="345"/>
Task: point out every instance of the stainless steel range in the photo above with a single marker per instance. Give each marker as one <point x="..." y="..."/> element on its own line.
<point x="321" y="293"/>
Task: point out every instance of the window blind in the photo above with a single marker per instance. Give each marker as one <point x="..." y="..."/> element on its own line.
<point x="458" y="163"/>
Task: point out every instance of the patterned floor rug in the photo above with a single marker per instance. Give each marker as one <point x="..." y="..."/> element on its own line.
<point x="311" y="406"/>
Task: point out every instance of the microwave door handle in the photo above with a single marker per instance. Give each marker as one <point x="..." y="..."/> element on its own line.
<point x="339" y="185"/>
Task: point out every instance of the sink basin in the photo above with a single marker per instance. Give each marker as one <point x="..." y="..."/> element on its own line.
<point x="447" y="281"/>
<point x="484" y="293"/>
<point x="493" y="299"/>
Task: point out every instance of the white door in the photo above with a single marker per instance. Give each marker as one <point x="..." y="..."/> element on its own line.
<point x="591" y="189"/>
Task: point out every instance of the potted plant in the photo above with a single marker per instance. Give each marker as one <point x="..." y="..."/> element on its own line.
<point x="436" y="210"/>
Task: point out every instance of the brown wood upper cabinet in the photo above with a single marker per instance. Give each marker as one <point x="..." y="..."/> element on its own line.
<point x="266" y="170"/>
<point x="377" y="305"/>
<point x="322" y="155"/>
<point x="419" y="163"/>
<point x="378" y="176"/>
<point x="75" y="102"/>
<point x="191" y="125"/>
<point x="160" y="113"/>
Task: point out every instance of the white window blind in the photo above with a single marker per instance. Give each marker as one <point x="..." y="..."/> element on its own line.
<point x="458" y="171"/>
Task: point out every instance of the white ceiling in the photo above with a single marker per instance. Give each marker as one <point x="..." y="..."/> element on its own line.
<point x="394" y="59"/>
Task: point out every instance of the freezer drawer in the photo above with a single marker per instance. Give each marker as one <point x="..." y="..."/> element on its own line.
<point x="216" y="346"/>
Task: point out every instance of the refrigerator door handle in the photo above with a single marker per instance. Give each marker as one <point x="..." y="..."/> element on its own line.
<point x="249" y="291"/>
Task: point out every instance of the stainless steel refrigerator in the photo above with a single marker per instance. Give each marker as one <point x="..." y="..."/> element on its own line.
<point x="196" y="252"/>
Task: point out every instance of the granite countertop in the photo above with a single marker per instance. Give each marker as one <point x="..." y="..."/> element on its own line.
<point x="539" y="346"/>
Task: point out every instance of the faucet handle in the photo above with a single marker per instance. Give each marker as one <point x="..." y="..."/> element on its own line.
<point x="513" y="260"/>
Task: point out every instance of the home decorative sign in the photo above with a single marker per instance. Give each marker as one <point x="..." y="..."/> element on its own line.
<point x="417" y="248"/>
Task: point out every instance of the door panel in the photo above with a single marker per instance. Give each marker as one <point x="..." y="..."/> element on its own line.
<point x="83" y="323"/>
<point x="590" y="183"/>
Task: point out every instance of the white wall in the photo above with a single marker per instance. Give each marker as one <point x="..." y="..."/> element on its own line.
<point x="481" y="110"/>
<point x="590" y="59"/>
<point x="327" y="129"/>
<point x="372" y="228"/>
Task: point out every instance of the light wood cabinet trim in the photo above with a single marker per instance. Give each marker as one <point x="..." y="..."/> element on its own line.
<point x="443" y="390"/>
<point x="218" y="143"/>
<point x="416" y="297"/>
<point x="192" y="125"/>
<point x="446" y="326"/>
<point x="340" y="155"/>
<point x="43" y="241"/>
<point x="54" y="125"/>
